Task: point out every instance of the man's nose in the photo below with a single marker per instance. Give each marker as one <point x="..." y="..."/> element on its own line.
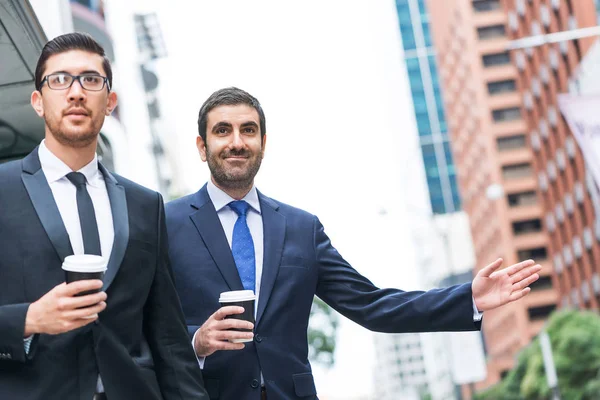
<point x="237" y="141"/>
<point x="76" y="91"/>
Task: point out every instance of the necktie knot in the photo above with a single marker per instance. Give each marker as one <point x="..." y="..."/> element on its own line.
<point x="76" y="178"/>
<point x="240" y="207"/>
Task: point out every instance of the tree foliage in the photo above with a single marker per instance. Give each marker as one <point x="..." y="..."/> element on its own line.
<point x="321" y="333"/>
<point x="575" y="341"/>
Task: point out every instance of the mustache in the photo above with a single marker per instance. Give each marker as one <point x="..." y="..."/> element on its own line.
<point x="77" y="107"/>
<point x="236" y="153"/>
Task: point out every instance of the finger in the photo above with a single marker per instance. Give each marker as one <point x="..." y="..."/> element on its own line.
<point x="525" y="273"/>
<point x="71" y="289"/>
<point x="233" y="335"/>
<point x="222" y="312"/>
<point x="232" y="323"/>
<point x="71" y="303"/>
<point x="487" y="270"/>
<point x="525" y="282"/>
<point x="513" y="269"/>
<point x="228" y="346"/>
<point x="87" y="312"/>
<point x="519" y="294"/>
<point x="70" y="325"/>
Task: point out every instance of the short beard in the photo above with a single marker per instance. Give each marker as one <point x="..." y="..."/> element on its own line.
<point x="77" y="142"/>
<point x="225" y="180"/>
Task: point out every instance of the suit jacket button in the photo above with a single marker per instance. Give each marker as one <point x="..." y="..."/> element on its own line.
<point x="258" y="338"/>
<point x="254" y="383"/>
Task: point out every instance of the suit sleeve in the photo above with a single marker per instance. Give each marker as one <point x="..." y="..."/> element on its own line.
<point x="12" y="328"/>
<point x="388" y="310"/>
<point x="176" y="366"/>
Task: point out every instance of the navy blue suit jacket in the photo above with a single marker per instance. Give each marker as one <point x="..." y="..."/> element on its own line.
<point x="299" y="262"/>
<point x="139" y="343"/>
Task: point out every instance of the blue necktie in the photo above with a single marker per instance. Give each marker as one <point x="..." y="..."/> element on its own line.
<point x="87" y="216"/>
<point x="242" y="246"/>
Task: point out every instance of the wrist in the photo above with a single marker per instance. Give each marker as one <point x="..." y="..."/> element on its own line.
<point x="30" y="321"/>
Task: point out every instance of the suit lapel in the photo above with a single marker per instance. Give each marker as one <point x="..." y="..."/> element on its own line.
<point x="274" y="237"/>
<point x="207" y="222"/>
<point x="42" y="199"/>
<point x="118" y="206"/>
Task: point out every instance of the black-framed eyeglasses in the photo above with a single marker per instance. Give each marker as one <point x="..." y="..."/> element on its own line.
<point x="63" y="81"/>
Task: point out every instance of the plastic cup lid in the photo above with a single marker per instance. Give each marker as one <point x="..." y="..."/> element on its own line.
<point x="84" y="263"/>
<point x="236" y="295"/>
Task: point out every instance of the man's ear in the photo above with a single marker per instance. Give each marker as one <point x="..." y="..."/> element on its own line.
<point x="37" y="103"/>
<point x="201" y="145"/>
<point x="112" y="102"/>
<point x="264" y="144"/>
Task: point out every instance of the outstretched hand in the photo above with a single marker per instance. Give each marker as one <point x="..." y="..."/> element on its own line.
<point x="494" y="288"/>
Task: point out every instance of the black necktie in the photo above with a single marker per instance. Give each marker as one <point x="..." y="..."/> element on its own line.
<point x="87" y="215"/>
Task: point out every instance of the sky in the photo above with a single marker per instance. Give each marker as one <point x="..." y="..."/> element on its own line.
<point x="341" y="137"/>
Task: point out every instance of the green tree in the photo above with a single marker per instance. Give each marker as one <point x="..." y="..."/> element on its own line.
<point x="322" y="330"/>
<point x="575" y="341"/>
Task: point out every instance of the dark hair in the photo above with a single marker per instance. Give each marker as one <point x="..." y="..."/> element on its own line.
<point x="68" y="42"/>
<point x="230" y="96"/>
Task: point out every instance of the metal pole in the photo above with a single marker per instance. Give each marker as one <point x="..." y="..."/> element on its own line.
<point x="549" y="367"/>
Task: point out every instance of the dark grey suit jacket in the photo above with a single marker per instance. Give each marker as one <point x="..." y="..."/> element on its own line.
<point x="139" y="345"/>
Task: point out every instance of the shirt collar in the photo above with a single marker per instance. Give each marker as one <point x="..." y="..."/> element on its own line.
<point x="55" y="169"/>
<point x="220" y="199"/>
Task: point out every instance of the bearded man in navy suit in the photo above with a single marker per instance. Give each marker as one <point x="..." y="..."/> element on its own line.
<point x="215" y="233"/>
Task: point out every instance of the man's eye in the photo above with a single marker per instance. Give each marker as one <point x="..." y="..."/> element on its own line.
<point x="58" y="79"/>
<point x="91" y="79"/>
<point x="222" y="130"/>
<point x="249" y="130"/>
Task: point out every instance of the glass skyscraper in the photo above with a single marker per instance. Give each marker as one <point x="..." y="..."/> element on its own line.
<point x="428" y="105"/>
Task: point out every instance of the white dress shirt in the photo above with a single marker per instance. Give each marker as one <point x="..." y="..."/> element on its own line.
<point x="228" y="217"/>
<point x="65" y="197"/>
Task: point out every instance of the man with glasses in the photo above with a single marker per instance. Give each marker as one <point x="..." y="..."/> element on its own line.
<point x="128" y="340"/>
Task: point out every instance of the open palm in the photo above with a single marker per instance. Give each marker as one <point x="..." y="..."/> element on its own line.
<point x="494" y="288"/>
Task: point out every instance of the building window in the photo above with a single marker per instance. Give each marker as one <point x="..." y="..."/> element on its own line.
<point x="527" y="226"/>
<point x="486" y="5"/>
<point x="511" y="142"/>
<point x="537" y="253"/>
<point x="515" y="171"/>
<point x="522" y="199"/>
<point x="494" y="59"/>
<point x="542" y="312"/>
<point x="506" y="114"/>
<point x="491" y="32"/>
<point x="498" y="87"/>
<point x="543" y="283"/>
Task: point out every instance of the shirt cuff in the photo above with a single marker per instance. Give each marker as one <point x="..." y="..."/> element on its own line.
<point x="477" y="315"/>
<point x="27" y="343"/>
<point x="199" y="358"/>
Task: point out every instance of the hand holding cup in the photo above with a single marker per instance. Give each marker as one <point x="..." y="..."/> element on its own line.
<point x="73" y="304"/>
<point x="230" y="326"/>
